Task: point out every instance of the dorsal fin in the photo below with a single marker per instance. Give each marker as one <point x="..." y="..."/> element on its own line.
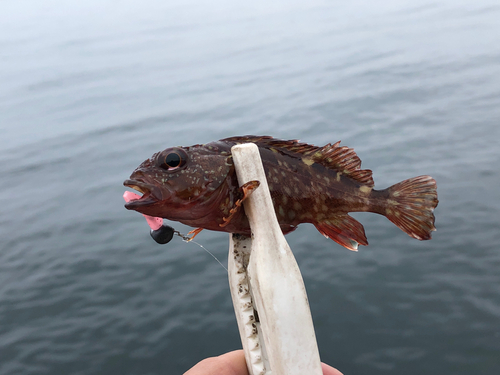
<point x="340" y="158"/>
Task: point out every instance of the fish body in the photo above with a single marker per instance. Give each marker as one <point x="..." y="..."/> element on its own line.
<point x="197" y="186"/>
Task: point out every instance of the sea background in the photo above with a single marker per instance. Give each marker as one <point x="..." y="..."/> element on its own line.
<point x="88" y="90"/>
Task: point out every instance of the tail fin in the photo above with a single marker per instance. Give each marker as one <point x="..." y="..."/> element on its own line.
<point x="410" y="206"/>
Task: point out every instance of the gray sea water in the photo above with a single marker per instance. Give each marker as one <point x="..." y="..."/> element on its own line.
<point x="88" y="90"/>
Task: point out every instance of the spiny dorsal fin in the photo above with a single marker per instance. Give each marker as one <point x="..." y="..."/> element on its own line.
<point x="341" y="158"/>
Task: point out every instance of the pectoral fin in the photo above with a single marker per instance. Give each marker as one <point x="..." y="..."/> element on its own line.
<point x="246" y="189"/>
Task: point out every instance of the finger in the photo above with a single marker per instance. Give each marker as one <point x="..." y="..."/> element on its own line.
<point x="329" y="370"/>
<point x="232" y="363"/>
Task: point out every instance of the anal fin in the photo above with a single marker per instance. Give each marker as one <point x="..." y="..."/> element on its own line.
<point x="344" y="230"/>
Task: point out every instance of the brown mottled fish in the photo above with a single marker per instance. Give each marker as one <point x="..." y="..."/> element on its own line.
<point x="197" y="186"/>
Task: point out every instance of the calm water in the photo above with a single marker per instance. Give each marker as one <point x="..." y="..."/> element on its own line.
<point x="89" y="90"/>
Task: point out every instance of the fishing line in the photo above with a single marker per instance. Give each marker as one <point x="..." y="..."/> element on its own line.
<point x="188" y="240"/>
<point x="164" y="233"/>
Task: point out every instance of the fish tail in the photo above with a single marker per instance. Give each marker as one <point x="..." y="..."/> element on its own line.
<point x="410" y="205"/>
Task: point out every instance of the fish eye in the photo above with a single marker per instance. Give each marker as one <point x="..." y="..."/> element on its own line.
<point x="173" y="160"/>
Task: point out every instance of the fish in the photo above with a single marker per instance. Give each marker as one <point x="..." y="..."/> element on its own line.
<point x="198" y="186"/>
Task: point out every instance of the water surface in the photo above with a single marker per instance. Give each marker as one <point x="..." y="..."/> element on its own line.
<point x="89" y="90"/>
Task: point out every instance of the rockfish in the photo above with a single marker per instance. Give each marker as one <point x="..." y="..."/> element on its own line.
<point x="197" y="186"/>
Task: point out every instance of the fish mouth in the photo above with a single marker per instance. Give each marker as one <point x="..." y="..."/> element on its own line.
<point x="149" y="194"/>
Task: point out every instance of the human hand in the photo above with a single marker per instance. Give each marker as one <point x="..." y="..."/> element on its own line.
<point x="233" y="363"/>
